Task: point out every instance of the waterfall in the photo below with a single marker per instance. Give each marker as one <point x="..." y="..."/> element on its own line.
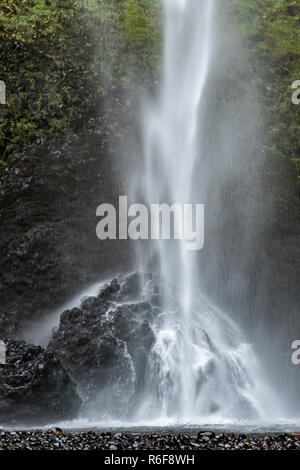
<point x="168" y="355"/>
<point x="201" y="368"/>
<point x="170" y="136"/>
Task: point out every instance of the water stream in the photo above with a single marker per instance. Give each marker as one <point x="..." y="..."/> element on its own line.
<point x="201" y="367"/>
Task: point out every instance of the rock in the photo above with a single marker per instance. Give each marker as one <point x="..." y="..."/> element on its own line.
<point x="131" y="289"/>
<point x="111" y="291"/>
<point x="195" y="445"/>
<point x="49" y="194"/>
<point x="209" y="434"/>
<point x="104" y="346"/>
<point x="103" y="441"/>
<point x="8" y="323"/>
<point x="34" y="387"/>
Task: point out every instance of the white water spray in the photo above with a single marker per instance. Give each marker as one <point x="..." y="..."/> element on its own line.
<point x="171" y="144"/>
<point x="200" y="370"/>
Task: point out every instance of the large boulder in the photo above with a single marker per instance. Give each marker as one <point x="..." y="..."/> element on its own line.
<point x="104" y="345"/>
<point x="34" y="387"/>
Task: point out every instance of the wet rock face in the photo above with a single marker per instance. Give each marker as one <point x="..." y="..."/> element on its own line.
<point x="104" y="346"/>
<point x="48" y="200"/>
<point x="34" y="387"/>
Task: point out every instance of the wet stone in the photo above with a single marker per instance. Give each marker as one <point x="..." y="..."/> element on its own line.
<point x="131" y="441"/>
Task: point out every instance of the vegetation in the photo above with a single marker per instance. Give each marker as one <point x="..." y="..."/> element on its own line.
<point x="271" y="30"/>
<point x="57" y="58"/>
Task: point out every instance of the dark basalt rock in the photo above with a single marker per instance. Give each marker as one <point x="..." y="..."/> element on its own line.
<point x="130" y="441"/>
<point x="48" y="199"/>
<point x="8" y="323"/>
<point x="104" y="346"/>
<point x="34" y="387"/>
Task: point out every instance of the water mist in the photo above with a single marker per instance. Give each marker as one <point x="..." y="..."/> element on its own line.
<point x="200" y="369"/>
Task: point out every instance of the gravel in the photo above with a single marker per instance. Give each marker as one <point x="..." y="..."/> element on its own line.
<point x="57" y="439"/>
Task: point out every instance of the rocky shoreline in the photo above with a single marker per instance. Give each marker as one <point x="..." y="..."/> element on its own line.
<point x="57" y="439"/>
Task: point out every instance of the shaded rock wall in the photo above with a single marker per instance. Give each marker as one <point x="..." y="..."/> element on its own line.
<point x="34" y="388"/>
<point x="48" y="200"/>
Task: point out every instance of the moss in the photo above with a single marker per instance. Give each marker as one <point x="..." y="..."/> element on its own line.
<point x="271" y="33"/>
<point x="58" y="57"/>
<point x="142" y="33"/>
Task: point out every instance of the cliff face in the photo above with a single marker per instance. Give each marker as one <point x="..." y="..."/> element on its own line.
<point x="48" y="244"/>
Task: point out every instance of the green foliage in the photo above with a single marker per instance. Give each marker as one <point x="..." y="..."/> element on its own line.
<point x="58" y="59"/>
<point x="142" y="34"/>
<point x="129" y="43"/>
<point x="44" y="59"/>
<point x="27" y="20"/>
<point x="271" y="32"/>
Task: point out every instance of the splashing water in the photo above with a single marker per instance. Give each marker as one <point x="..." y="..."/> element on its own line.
<point x="200" y="368"/>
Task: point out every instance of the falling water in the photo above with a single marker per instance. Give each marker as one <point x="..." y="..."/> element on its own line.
<point x="200" y="369"/>
<point x="171" y="127"/>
